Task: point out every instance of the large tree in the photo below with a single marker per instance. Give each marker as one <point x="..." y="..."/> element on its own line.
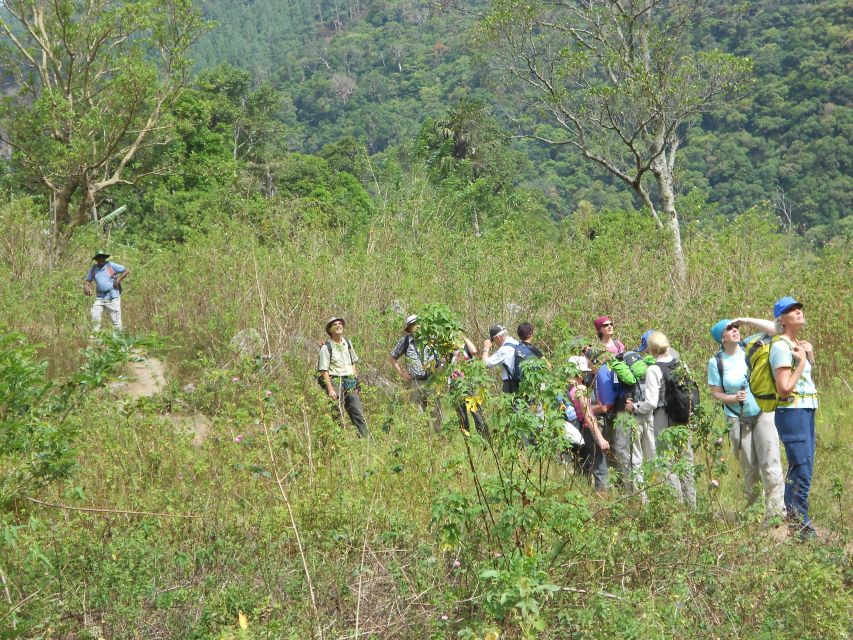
<point x="94" y="82"/>
<point x="620" y="81"/>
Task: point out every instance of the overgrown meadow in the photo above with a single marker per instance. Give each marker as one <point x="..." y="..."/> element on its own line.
<point x="120" y="521"/>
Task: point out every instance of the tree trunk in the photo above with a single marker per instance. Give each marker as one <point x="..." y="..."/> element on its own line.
<point x="663" y="176"/>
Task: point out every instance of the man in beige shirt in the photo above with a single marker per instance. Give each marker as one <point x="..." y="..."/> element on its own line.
<point x="336" y="365"/>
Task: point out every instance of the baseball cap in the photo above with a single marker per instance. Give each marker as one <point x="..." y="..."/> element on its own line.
<point x="783" y="305"/>
<point x="600" y="321"/>
<point x="412" y="319"/>
<point x="496" y="330"/>
<point x="644" y="341"/>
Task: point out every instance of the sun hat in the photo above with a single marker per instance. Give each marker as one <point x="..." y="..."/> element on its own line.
<point x="334" y="319"/>
<point x="718" y="329"/>
<point x="599" y="322"/>
<point x="580" y="362"/>
<point x="101" y="254"/>
<point x="784" y="305"/>
<point x="496" y="330"/>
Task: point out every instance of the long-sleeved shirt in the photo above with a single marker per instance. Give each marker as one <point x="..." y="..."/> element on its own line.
<point x="505" y="356"/>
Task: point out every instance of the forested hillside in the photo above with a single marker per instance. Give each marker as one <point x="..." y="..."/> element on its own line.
<point x="171" y="468"/>
<point x="377" y="69"/>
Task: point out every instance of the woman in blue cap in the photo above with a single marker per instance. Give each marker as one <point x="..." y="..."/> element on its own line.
<point x="753" y="432"/>
<point x="791" y="361"/>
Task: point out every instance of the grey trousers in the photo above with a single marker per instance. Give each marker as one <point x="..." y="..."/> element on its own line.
<point x="756" y="445"/>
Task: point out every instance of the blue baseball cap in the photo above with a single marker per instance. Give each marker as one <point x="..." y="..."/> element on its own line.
<point x="783" y="305"/>
<point x="644" y="341"/>
<point x="718" y="329"/>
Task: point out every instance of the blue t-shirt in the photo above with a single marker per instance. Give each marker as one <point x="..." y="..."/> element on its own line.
<point x="608" y="389"/>
<point x="103" y="277"/>
<point x="735" y="375"/>
<point x="805" y="392"/>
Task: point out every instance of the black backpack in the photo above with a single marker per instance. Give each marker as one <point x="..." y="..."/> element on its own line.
<point x="328" y="346"/>
<point x="681" y="393"/>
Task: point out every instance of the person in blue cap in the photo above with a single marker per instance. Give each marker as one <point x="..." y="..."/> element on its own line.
<point x="791" y="361"/>
<point x="753" y="432"/>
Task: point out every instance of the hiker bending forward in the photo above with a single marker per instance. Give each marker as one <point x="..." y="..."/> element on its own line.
<point x="336" y="364"/>
<point x="107" y="277"/>
<point x="752" y="432"/>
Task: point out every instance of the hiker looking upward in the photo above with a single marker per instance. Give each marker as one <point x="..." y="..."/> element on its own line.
<point x="653" y="405"/>
<point x="753" y="432"/>
<point x="417" y="370"/>
<point x="504" y="356"/>
<point x="604" y="330"/>
<point x="107" y="277"/>
<point x="610" y="400"/>
<point x="336" y="365"/>
<point x="791" y="361"/>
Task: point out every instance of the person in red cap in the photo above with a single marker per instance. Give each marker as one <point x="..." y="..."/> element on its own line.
<point x="604" y="330"/>
<point x="336" y="365"/>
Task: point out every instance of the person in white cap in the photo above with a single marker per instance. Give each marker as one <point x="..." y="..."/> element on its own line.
<point x="338" y="377"/>
<point x="417" y="371"/>
<point x="591" y="436"/>
<point x="504" y="356"/>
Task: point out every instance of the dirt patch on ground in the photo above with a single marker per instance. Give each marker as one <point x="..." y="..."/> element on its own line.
<point x="198" y="424"/>
<point x="146" y="377"/>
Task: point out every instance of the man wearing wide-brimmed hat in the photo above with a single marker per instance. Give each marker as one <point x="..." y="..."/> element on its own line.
<point x="107" y="277"/>
<point x="418" y="363"/>
<point x="336" y="365"/>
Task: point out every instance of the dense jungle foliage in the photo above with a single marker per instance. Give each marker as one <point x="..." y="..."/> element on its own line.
<point x="331" y="169"/>
<point x="375" y="69"/>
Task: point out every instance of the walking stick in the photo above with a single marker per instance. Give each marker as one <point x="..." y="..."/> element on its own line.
<point x="740" y="432"/>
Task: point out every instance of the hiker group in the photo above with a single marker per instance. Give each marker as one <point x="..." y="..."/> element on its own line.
<point x="764" y="382"/>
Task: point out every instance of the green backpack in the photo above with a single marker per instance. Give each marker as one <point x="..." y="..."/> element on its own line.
<point x="760" y="373"/>
<point x="630" y="369"/>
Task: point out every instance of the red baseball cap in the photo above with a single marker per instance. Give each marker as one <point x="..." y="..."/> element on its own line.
<point x="600" y="321"/>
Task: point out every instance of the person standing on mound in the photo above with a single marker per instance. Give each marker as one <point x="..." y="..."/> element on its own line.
<point x="107" y="277"/>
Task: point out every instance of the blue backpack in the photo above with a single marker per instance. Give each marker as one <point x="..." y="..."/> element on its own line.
<point x="522" y="352"/>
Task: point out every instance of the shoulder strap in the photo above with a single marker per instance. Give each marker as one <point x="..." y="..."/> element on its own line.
<point x="349" y="348"/>
<point x="719" y="358"/>
<point x="619" y="344"/>
<point x="328" y="345"/>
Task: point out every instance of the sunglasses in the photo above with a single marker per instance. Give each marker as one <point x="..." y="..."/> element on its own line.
<point x="729" y="327"/>
<point x="607" y="324"/>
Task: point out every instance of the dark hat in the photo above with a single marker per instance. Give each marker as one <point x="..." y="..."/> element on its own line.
<point x="596" y="357"/>
<point x="496" y="330"/>
<point x="101" y="254"/>
<point x="334" y="319"/>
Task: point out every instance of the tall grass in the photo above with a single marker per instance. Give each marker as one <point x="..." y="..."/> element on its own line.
<point x="222" y="540"/>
